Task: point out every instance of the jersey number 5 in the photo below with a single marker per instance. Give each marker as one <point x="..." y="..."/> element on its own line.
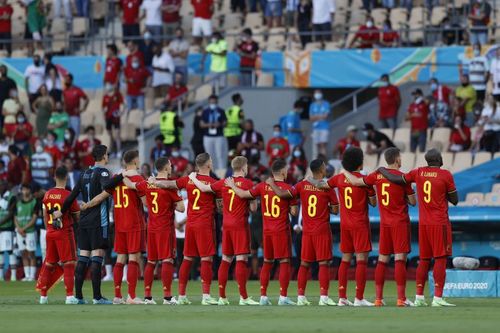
<point x="121" y="197"/>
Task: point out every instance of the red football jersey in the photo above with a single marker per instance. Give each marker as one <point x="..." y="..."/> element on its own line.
<point x="433" y="185"/>
<point x="315" y="205"/>
<point x="235" y="209"/>
<point x="129" y="215"/>
<point x="393" y="206"/>
<point x="54" y="199"/>
<point x="201" y="205"/>
<point x="161" y="205"/>
<point x="112" y="69"/>
<point x="353" y="201"/>
<point x="111" y="104"/>
<point x="274" y="209"/>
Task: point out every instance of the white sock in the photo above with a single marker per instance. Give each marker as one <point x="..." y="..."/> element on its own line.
<point x="283" y="297"/>
<point x="300" y="297"/>
<point x="206" y="296"/>
<point x="13" y="274"/>
<point x="263" y="297"/>
<point x="437" y="298"/>
<point x="32" y="272"/>
<point x="323" y="297"/>
<point x="182" y="296"/>
<point x="109" y="270"/>
<point x="420" y="297"/>
<point x="26" y="271"/>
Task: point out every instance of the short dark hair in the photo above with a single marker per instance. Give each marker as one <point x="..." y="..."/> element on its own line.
<point x="161" y="163"/>
<point x="202" y="159"/>
<point x="89" y="128"/>
<point x="298" y="104"/>
<point x="113" y="48"/>
<point x="61" y="173"/>
<point x="247" y="31"/>
<point x="130" y="155"/>
<point x="213" y="96"/>
<point x="316" y="165"/>
<point x="433" y="158"/>
<point x="14" y="150"/>
<point x="352" y="159"/>
<point x="70" y="76"/>
<point x="160" y="137"/>
<point x="277" y="126"/>
<point x="52" y="133"/>
<point x="390" y="155"/>
<point x="99" y="152"/>
<point x="278" y="165"/>
<point x="236" y="97"/>
<point x="27" y="185"/>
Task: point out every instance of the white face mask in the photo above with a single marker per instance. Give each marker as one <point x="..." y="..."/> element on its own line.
<point x="175" y="154"/>
<point x="419" y="99"/>
<point x="67" y="136"/>
<point x="213" y="40"/>
<point x="39" y="149"/>
<point x="276" y="134"/>
<point x="213" y="106"/>
<point x="318" y="96"/>
<point x="369" y="24"/>
<point x="135" y="65"/>
<point x="297" y="153"/>
<point x="477" y="52"/>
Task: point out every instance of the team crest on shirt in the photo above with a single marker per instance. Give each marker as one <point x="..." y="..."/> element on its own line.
<point x="104" y="174"/>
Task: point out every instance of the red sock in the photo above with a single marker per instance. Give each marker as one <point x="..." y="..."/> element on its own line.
<point x="222" y="276"/>
<point x="344" y="266"/>
<point x="167" y="275"/>
<point x="439" y="273"/>
<point x="132" y="277"/>
<point x="284" y="278"/>
<point x="44" y="279"/>
<point x="360" y="278"/>
<point x="69" y="278"/>
<point x="324" y="279"/>
<point x="206" y="276"/>
<point x="400" y="277"/>
<point x="241" y="277"/>
<point x="379" y="280"/>
<point x="117" y="278"/>
<point x="265" y="276"/>
<point x="149" y="272"/>
<point x="56" y="275"/>
<point x="184" y="276"/>
<point x="302" y="280"/>
<point x="421" y="278"/>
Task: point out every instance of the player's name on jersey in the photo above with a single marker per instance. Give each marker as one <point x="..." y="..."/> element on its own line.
<point x="203" y="181"/>
<point x="428" y="174"/>
<point x="312" y="188"/>
<point x="55" y="196"/>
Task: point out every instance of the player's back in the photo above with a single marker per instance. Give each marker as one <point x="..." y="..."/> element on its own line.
<point x="235" y="209"/>
<point x="128" y="210"/>
<point x="353" y="201"/>
<point x="91" y="184"/>
<point x="54" y="199"/>
<point x="201" y="205"/>
<point x="433" y="186"/>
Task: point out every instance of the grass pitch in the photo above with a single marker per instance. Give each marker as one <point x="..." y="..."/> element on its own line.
<point x="19" y="312"/>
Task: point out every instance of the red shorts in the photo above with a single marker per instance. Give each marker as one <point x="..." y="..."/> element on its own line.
<point x="277" y="246"/>
<point x="434" y="241"/>
<point x="199" y="242"/>
<point x="129" y="242"/>
<point x="356" y="240"/>
<point x="60" y="249"/>
<point x="396" y="239"/>
<point x="161" y="245"/>
<point x="9" y="129"/>
<point x="316" y="247"/>
<point x="236" y="241"/>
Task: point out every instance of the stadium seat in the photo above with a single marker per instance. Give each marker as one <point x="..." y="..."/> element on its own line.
<point x="438" y="14"/>
<point x="462" y="161"/>
<point x="474" y="199"/>
<point x="233" y="80"/>
<point x="58" y="27"/>
<point x="435" y="145"/>
<point x="399" y="17"/>
<point x="379" y="15"/>
<point x="481" y="157"/>
<point x="442" y="135"/>
<point x="232" y="21"/>
<point x="447" y="160"/>
<point x="265" y="80"/>
<point x="80" y="26"/>
<point x="402" y="135"/>
<point x="420" y="160"/>
<point x="407" y="161"/>
<point x="100" y="9"/>
<point x="128" y="132"/>
<point x="497" y="155"/>
<point x="387" y="131"/>
<point x="370" y="162"/>
<point x="203" y="93"/>
<point x="492" y="199"/>
<point x="253" y="20"/>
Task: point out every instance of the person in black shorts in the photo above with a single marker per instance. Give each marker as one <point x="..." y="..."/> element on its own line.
<point x="255" y="237"/>
<point x="93" y="227"/>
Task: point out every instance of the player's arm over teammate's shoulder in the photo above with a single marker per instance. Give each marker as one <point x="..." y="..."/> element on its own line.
<point x="167" y="184"/>
<point x="69" y="200"/>
<point x="284" y="194"/>
<point x="244" y="194"/>
<point x="319" y="183"/>
<point x="396" y="179"/>
<point x="354" y="180"/>
<point x="200" y="185"/>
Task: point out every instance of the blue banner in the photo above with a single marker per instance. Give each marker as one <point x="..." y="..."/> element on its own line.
<point x="468" y="284"/>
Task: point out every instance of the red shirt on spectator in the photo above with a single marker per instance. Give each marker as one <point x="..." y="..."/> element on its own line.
<point x="112" y="71"/>
<point x="345" y="143"/>
<point x="130" y="10"/>
<point x="70" y="151"/>
<point x="442" y="93"/>
<point x="249" y="46"/>
<point x="277" y="148"/>
<point x="3" y="175"/>
<point x="179" y="165"/>
<point x="136" y="80"/>
<point x="419" y="116"/>
<point x="368" y="37"/>
<point x="456" y="138"/>
<point x="111" y="104"/>
<point x="5" y="24"/>
<point x="15" y="169"/>
<point x="203" y="8"/>
<point x="20" y="134"/>
<point x="390" y="36"/>
<point x="86" y="146"/>
<point x="138" y="54"/>
<point x="54" y="151"/>
<point x="389" y="101"/>
<point x="172" y="17"/>
<point x="175" y="91"/>
<point x="72" y="97"/>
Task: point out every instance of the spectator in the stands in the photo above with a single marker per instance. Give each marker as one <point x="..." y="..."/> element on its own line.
<point x="151" y="14"/>
<point x="171" y="127"/>
<point x="248" y="50"/>
<point x="36" y="21"/>
<point x="323" y="12"/>
<point x="198" y="133"/>
<point x="478" y="69"/>
<point x="348" y="141"/>
<point x="65" y="5"/>
<point x="171" y="16"/>
<point x="179" y="50"/>
<point x="458" y="109"/>
<point x="11" y="106"/>
<point x="42" y="166"/>
<point x="113" y="107"/>
<point x="218" y="51"/>
<point x="86" y="146"/>
<point x="177" y="92"/>
<point x="460" y="137"/>
<point x="17" y="169"/>
<point x="490" y="117"/>
<point x="146" y="171"/>
<point x="238" y="5"/>
<point x="389" y="36"/>
<point x="319" y="111"/>
<point x="82" y="8"/>
<point x="290" y="125"/>
<point x="6" y="85"/>
<point x="69" y="148"/>
<point x="73" y="172"/>
<point x="234" y="116"/>
<point x="418" y="115"/>
<point x="179" y="163"/>
<point x="368" y="5"/>
<point x="253" y="5"/>
<point x="273" y="13"/>
<point x="113" y="66"/>
<point x="368" y="35"/>
<point x="6" y="12"/>
<point x="59" y="122"/>
<point x="377" y="141"/>
<point x="202" y="24"/>
<point x="146" y="47"/>
<point x="52" y="148"/>
<point x="389" y="100"/>
<point x="213" y="121"/>
<point x="43" y="106"/>
<point x="34" y="77"/>
<point x="134" y="52"/>
<point x="494" y="76"/>
<point x="440" y="92"/>
<point x="298" y="165"/>
<point x="389" y="4"/>
<point x="479" y="17"/>
<point x="277" y="146"/>
<point x="304" y="17"/>
<point x="130" y="19"/>
<point x="468" y="95"/>
<point x="47" y="63"/>
<point x="23" y="132"/>
<point x="453" y="31"/>
<point x="159" y="150"/>
<point x="75" y="103"/>
<point x="137" y="78"/>
<point x="163" y="68"/>
<point x="291" y="12"/>
<point x="252" y="142"/>
<point x="439" y="112"/>
<point x="54" y="85"/>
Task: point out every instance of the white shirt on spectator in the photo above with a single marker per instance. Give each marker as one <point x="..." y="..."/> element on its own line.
<point x="322" y="11"/>
<point x="495" y="75"/>
<point x="179" y="217"/>
<point x="492" y="120"/>
<point x="152" y="8"/>
<point x="179" y="45"/>
<point x="35" y="76"/>
<point x="163" y="61"/>
<point x="478" y="67"/>
<point x="53" y="85"/>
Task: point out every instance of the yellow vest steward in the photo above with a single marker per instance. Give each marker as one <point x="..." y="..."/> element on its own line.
<point x="233" y="121"/>
<point x="167" y="127"/>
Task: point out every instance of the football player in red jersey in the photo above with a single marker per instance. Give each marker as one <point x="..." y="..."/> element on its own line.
<point x="277" y="234"/>
<point x="395" y="226"/>
<point x="60" y="239"/>
<point x="200" y="228"/>
<point x="355" y="235"/>
<point x="161" y="246"/>
<point x="317" y="205"/>
<point x="435" y="188"/>
<point x="235" y="228"/>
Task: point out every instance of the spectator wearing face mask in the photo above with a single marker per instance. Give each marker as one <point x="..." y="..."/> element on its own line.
<point x="52" y="148"/>
<point x="43" y="106"/>
<point x="319" y="111"/>
<point x="298" y="165"/>
<point x="478" y="70"/>
<point x="134" y="53"/>
<point x="248" y="50"/>
<point x="42" y="166"/>
<point x="85" y="147"/>
<point x="171" y="127"/>
<point x="277" y="147"/>
<point x="389" y="102"/>
<point x="69" y="147"/>
<point x="10" y="108"/>
<point x="494" y="76"/>
<point x="418" y="114"/>
<point x="212" y="122"/>
<point x="368" y="35"/>
<point x="159" y="150"/>
<point x="75" y="103"/>
<point x="113" y="66"/>
<point x="17" y="168"/>
<point x="235" y="116"/>
<point x="440" y="92"/>
<point x="490" y="122"/>
<point x="468" y="95"/>
<point x="23" y="132"/>
<point x="389" y="36"/>
<point x="251" y="143"/>
<point x="34" y="76"/>
<point x="113" y="107"/>
<point x="54" y="84"/>
<point x="291" y="127"/>
<point x="179" y="50"/>
<point x="179" y="163"/>
<point x="163" y="69"/>
<point x="479" y="17"/>
<point x="58" y="122"/>
<point x="460" y="137"/>
<point x="217" y="49"/>
<point x="198" y="133"/>
<point x="347" y="142"/>
<point x="137" y="78"/>
<point x="439" y="112"/>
